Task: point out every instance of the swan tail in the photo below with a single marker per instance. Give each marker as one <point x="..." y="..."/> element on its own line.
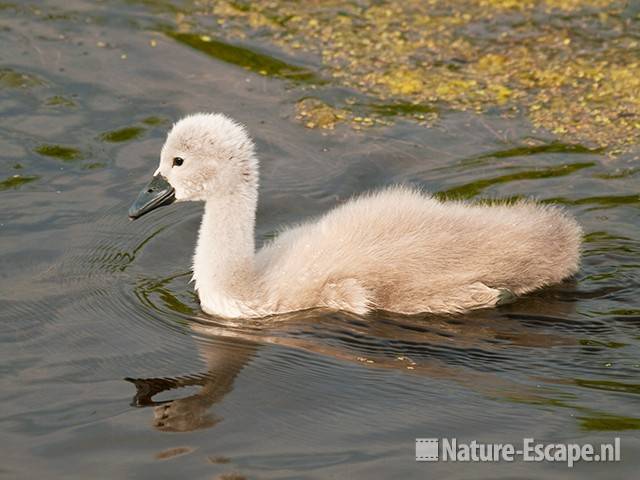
<point x="557" y="252"/>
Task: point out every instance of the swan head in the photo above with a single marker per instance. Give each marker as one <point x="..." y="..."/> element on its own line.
<point x="205" y="155"/>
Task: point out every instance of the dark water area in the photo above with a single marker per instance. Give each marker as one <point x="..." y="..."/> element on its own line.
<point x="108" y="368"/>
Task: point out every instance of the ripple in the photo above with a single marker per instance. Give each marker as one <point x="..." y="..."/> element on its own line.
<point x="188" y="362"/>
<point x="100" y="308"/>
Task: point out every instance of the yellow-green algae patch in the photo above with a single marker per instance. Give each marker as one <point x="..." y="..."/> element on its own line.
<point x="314" y="113"/>
<point x="12" y="79"/>
<point x="571" y="66"/>
<point x="66" y="154"/>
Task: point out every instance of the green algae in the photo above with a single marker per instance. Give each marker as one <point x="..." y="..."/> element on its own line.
<point x="94" y="166"/>
<point x="609" y="385"/>
<point x="59" y="101"/>
<point x="474" y="188"/>
<point x="17" y="181"/>
<point x="602" y="236"/>
<point x="590" y="419"/>
<point x="625" y="312"/>
<point x="553" y="147"/>
<point x="401" y="109"/>
<point x="147" y="288"/>
<point x="154" y="121"/>
<point x="448" y="54"/>
<point x="66" y="154"/>
<point x="609" y="423"/>
<point x="541" y="400"/>
<point x="245" y="57"/>
<point x="122" y="135"/>
<point x="601" y="201"/>
<point x="529" y="150"/>
<point x="172" y="302"/>
<point x="13" y="79"/>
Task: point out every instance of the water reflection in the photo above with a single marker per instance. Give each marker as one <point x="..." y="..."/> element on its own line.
<point x="191" y="412"/>
<point x="472" y="350"/>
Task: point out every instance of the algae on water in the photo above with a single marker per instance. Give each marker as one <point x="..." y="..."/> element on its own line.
<point x="13" y="79"/>
<point x="16" y="181"/>
<point x="66" y="154"/>
<point x="122" y="135"/>
<point x="571" y="66"/>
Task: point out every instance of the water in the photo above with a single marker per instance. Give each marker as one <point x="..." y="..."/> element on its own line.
<point x="110" y="370"/>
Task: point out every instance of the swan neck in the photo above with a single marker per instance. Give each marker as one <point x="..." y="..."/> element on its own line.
<point x="223" y="261"/>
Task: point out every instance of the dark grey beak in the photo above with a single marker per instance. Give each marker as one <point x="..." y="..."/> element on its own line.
<point x="157" y="193"/>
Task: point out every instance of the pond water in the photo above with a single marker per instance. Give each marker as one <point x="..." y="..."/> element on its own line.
<point x="110" y="370"/>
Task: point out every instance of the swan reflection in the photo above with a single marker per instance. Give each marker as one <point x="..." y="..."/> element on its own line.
<point x="469" y="350"/>
<point x="192" y="412"/>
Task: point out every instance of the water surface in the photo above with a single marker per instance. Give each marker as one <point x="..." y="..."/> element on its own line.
<point x="110" y="370"/>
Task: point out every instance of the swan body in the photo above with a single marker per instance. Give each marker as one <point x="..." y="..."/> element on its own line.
<point x="396" y="249"/>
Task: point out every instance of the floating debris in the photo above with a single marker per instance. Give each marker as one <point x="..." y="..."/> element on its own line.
<point x="218" y="459"/>
<point x="364" y="360"/>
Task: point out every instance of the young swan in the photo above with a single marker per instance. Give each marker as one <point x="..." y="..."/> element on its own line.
<point x="397" y="249"/>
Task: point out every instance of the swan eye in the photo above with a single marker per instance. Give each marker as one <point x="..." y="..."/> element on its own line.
<point x="178" y="161"/>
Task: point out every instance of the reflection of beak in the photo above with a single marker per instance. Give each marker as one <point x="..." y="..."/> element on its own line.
<point x="157" y="193"/>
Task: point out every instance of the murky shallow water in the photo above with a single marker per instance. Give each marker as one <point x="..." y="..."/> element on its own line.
<point x="110" y="370"/>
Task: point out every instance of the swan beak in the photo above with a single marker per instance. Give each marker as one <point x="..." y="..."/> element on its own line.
<point x="157" y="193"/>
